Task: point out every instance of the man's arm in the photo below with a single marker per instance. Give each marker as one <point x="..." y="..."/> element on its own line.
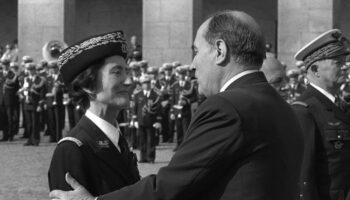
<point x="214" y="137"/>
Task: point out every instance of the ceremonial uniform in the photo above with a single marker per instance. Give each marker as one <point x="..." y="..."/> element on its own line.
<point x="55" y="108"/>
<point x="11" y="103"/>
<point x="3" y="116"/>
<point x="33" y="92"/>
<point x="326" y="128"/>
<point x="168" y="124"/>
<point x="92" y="158"/>
<point x="182" y="108"/>
<point x="146" y="109"/>
<point x="95" y="152"/>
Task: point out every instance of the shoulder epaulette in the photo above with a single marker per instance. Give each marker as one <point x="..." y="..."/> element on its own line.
<point x="300" y="103"/>
<point x="72" y="139"/>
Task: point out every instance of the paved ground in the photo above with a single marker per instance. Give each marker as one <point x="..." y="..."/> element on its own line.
<point x="23" y="169"/>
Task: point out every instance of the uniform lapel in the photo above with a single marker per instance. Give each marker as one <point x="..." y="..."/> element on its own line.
<point x="338" y="113"/>
<point x="105" y="150"/>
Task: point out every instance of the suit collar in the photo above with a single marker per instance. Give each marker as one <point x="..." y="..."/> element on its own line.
<point x="248" y="79"/>
<point x="104" y="149"/>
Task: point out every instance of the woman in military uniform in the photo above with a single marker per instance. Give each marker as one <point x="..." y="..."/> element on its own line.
<point x="95" y="152"/>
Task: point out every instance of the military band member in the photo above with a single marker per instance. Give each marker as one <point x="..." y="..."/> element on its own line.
<point x="3" y="116"/>
<point x="54" y="103"/>
<point x="22" y="74"/>
<point x="325" y="170"/>
<point x="95" y="151"/>
<point x="32" y="92"/>
<point x="166" y="110"/>
<point x="146" y="110"/>
<point x="11" y="101"/>
<point x="135" y="87"/>
<point x="181" y="103"/>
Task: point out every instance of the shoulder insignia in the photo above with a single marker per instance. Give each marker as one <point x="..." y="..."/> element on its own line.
<point x="300" y="103"/>
<point x="72" y="139"/>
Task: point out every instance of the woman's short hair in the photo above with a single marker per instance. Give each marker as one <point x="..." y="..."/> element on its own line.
<point x="86" y="80"/>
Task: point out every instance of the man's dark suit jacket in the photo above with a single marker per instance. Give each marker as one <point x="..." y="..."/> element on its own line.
<point x="243" y="143"/>
<point x="96" y="164"/>
<point x="325" y="170"/>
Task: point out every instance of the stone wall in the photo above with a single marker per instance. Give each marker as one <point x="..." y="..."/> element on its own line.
<point x="299" y="22"/>
<point x="95" y="17"/>
<point x="39" y="21"/>
<point x="8" y="21"/>
<point x="264" y="12"/>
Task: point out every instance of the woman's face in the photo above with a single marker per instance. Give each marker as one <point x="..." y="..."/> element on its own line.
<point x="111" y="89"/>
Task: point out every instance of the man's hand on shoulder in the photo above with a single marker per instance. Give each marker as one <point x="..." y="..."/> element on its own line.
<point x="78" y="192"/>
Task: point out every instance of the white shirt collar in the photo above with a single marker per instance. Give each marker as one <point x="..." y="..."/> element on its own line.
<point x="324" y="92"/>
<point x="108" y="129"/>
<point x="235" y="77"/>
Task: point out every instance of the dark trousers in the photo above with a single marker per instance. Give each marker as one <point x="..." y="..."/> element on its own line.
<point x="12" y="120"/>
<point x="165" y="124"/>
<point x="24" y="122"/>
<point x="71" y="118"/>
<point x="55" y="123"/>
<point x="147" y="144"/>
<point x="3" y="122"/>
<point x="182" y="124"/>
<point x="32" y="124"/>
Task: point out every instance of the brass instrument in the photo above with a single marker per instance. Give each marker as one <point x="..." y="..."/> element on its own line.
<point x="52" y="49"/>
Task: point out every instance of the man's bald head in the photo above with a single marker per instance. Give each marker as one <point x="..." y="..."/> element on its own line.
<point x="240" y="32"/>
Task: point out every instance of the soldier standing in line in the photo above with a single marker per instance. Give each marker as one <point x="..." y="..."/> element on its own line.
<point x="11" y="101"/>
<point x="22" y="75"/>
<point x="134" y="88"/>
<point x="181" y="103"/>
<point x="54" y="102"/>
<point x="41" y="69"/>
<point x="3" y="116"/>
<point x="33" y="91"/>
<point x="326" y="127"/>
<point x="146" y="109"/>
<point x="166" y="110"/>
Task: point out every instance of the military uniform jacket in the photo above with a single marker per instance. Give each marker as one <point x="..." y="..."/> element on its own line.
<point x="36" y="92"/>
<point x="11" y="86"/>
<point x="175" y="97"/>
<point x="244" y="143"/>
<point x="50" y="84"/>
<point x="146" y="118"/>
<point x="325" y="171"/>
<point x="96" y="164"/>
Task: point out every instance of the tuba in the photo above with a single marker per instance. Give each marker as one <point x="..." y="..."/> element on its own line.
<point x="52" y="50"/>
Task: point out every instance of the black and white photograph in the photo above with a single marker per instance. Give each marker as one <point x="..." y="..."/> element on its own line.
<point x="174" y="99"/>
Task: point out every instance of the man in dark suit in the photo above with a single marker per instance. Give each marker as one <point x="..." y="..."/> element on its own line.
<point x="95" y="151"/>
<point x="326" y="127"/>
<point x="244" y="141"/>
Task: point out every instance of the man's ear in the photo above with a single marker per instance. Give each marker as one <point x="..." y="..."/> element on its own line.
<point x="221" y="51"/>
